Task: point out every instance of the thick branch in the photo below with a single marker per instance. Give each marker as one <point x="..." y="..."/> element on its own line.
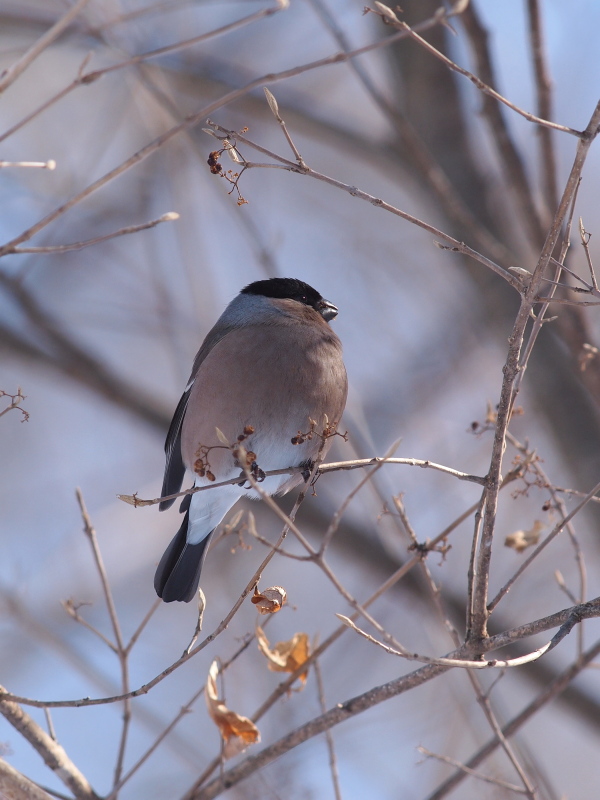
<point x="52" y="753"/>
<point x="15" y="786"/>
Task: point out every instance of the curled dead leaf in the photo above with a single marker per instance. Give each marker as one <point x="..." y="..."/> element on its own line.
<point x="237" y="731"/>
<point x="285" y="656"/>
<point x="270" y="600"/>
<point x="521" y="540"/>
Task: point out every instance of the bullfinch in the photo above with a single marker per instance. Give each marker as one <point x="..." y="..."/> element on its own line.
<point x="265" y="374"/>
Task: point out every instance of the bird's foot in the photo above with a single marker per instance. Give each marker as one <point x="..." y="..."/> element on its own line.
<point x="257" y="473"/>
<point x="307" y="468"/>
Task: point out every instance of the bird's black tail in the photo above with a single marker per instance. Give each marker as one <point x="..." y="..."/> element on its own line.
<point x="178" y="573"/>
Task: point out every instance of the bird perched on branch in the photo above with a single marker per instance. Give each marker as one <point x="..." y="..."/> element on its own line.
<point x="269" y="373"/>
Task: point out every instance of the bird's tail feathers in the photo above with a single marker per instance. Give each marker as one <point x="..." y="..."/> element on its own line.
<point x="178" y="573"/>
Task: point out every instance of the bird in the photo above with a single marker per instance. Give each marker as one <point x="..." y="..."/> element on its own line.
<point x="268" y="373"/>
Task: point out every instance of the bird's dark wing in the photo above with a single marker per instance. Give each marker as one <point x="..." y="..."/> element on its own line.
<point x="175" y="468"/>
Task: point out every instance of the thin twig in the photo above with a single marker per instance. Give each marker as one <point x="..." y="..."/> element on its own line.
<point x="10" y="75"/>
<point x="15" y="402"/>
<point x="541" y="312"/>
<point x="280" y="5"/>
<point x="337" y="517"/>
<point x="323" y="469"/>
<point x="354" y="191"/>
<point x="511" y="371"/>
<point x="512" y="164"/>
<point x="66" y="248"/>
<point x="412" y="32"/>
<point x="551" y="536"/>
<point x="552" y="690"/>
<point x="72" y="609"/>
<point x="350" y="708"/>
<point x="335" y="776"/>
<point x="121" y="651"/>
<point x="190" y="121"/>
<point x="543" y="84"/>
<point x="275" y="109"/>
<point x="416" y="152"/>
<point x="472" y="568"/>
<point x="496" y="663"/>
<point x="183" y="711"/>
<point x="484" y="702"/>
<point x="585" y="241"/>
<point x="138" y="631"/>
<point x="473" y="773"/>
<point x="50" y="724"/>
<point x="482" y="698"/>
<point x="86" y="78"/>
<point x="391" y="581"/>
<point x="560" y="505"/>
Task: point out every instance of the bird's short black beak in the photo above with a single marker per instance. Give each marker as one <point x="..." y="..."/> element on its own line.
<point x="326" y="309"/>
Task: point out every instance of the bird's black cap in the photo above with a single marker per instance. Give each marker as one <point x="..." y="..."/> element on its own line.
<point x="293" y="289"/>
<point x="285" y="289"/>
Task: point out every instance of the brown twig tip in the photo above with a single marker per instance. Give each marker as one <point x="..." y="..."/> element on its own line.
<point x="134" y="500"/>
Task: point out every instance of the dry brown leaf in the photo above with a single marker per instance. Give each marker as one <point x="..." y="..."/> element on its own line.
<point x="521" y="540"/>
<point x="237" y="731"/>
<point x="285" y="656"/>
<point x="270" y="600"/>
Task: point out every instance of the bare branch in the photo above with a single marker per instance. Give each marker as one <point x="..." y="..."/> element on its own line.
<point x="473" y="773"/>
<point x="53" y="754"/>
<point x="15" y="402"/>
<point x="393" y="20"/>
<point x="65" y="248"/>
<point x="120" y="649"/>
<point x="551" y="536"/>
<point x="334" y="466"/>
<point x="517" y="181"/>
<point x="544" y="104"/>
<point x="556" y="687"/>
<point x="10" y="75"/>
<point x="511" y="372"/>
<point x="593" y="607"/>
<point x="335" y="777"/>
<point x="455" y="245"/>
<point x="417" y="153"/>
<point x="350" y="708"/>
<point x="189" y="122"/>
<point x="15" y="786"/>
